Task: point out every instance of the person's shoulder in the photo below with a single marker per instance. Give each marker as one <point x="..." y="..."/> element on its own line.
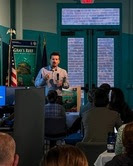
<point x="124" y="159"/>
<point x="47" y="105"/>
<point x="122" y="127"/>
<point x="46" y="67"/>
<point x="43" y="68"/>
<point x="59" y="105"/>
<point x="88" y="112"/>
<point x="61" y="69"/>
<point x="117" y="160"/>
<point x="112" y="111"/>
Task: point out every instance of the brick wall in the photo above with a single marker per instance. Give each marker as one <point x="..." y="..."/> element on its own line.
<point x="76" y="61"/>
<point x="105" y="61"/>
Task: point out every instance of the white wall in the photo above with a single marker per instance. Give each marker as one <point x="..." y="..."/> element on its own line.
<point x="41" y="14"/>
<point x="5" y="13"/>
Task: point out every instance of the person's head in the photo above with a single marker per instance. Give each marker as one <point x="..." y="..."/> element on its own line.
<point x="52" y="96"/>
<point x="100" y="98"/>
<point x="65" y="155"/>
<point x="54" y="59"/>
<point x="127" y="138"/>
<point x="119" y="104"/>
<point x="8" y="154"/>
<point x="117" y="96"/>
<point x="105" y="87"/>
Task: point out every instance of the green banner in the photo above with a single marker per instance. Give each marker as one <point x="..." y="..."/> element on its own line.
<point x="25" y="64"/>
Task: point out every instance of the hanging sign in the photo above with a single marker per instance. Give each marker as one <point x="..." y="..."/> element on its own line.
<point x="87" y="1"/>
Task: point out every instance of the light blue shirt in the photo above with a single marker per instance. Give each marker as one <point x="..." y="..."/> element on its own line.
<point x="51" y="83"/>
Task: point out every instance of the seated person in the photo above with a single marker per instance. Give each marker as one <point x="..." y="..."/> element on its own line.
<point x="91" y="93"/>
<point x="55" y="118"/>
<point x="119" y="148"/>
<point x="99" y="121"/>
<point x="119" y="105"/>
<point x="52" y="109"/>
<point x="125" y="159"/>
<point x="89" y="104"/>
<point x="65" y="155"/>
<point x="8" y="119"/>
<point x="105" y="87"/>
<point x="8" y="154"/>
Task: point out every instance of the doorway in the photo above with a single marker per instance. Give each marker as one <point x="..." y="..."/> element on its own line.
<point x="91" y="56"/>
<point x="90" y="40"/>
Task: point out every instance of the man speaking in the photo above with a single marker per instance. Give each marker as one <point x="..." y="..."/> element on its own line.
<point x="52" y="76"/>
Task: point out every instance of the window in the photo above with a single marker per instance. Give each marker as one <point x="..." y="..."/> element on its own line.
<point x="90" y="16"/>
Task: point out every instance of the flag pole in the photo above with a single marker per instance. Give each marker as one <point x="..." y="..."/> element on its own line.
<point x="11" y="32"/>
<point x="44" y="57"/>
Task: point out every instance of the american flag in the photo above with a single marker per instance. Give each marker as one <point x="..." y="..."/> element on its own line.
<point x="13" y="71"/>
<point x="11" y="79"/>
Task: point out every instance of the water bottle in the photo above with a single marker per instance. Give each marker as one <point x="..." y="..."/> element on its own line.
<point x="111" y="142"/>
<point x="4" y="117"/>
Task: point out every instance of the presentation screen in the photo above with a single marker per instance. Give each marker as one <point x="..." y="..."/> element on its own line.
<point x="10" y="95"/>
<point x="7" y="95"/>
<point x="2" y="95"/>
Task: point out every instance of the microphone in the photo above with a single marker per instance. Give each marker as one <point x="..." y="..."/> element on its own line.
<point x="57" y="76"/>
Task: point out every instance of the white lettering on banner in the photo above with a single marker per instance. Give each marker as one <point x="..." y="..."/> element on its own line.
<point x="18" y="50"/>
<point x="22" y="50"/>
<point x="29" y="50"/>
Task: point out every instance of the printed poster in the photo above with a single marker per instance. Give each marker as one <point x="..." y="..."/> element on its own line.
<point x="25" y="61"/>
<point x="72" y="99"/>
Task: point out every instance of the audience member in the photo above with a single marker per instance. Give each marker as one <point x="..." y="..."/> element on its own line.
<point x="119" y="148"/>
<point x="52" y="109"/>
<point x="99" y="120"/>
<point x="8" y="156"/>
<point x="118" y="104"/>
<point x="76" y="126"/>
<point x="89" y="104"/>
<point x="125" y="159"/>
<point x="65" y="155"/>
<point x="105" y="87"/>
<point x="91" y="93"/>
<point x="9" y="118"/>
<point x="55" y="114"/>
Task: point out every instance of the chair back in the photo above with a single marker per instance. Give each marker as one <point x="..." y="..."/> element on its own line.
<point x="92" y="150"/>
<point x="55" y="126"/>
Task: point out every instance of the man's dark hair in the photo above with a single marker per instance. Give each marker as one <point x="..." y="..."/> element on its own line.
<point x="105" y="87"/>
<point x="55" y="54"/>
<point x="100" y="98"/>
<point x="52" y="96"/>
<point x="119" y="104"/>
